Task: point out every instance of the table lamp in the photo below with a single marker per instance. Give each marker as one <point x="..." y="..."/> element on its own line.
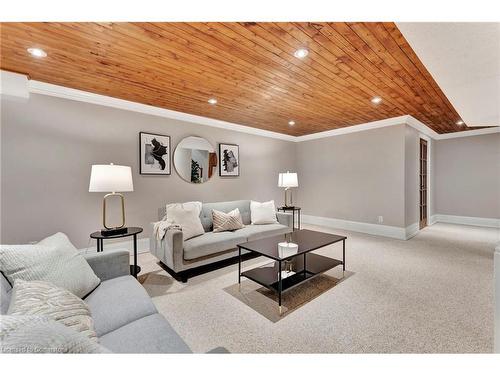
<point x="111" y="179"/>
<point x="288" y="180"/>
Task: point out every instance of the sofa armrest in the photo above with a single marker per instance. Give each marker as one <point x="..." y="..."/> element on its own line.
<point x="285" y="218"/>
<point x="169" y="250"/>
<point x="109" y="264"/>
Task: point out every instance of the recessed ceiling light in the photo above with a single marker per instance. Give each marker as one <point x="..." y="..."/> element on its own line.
<point x="291" y="123"/>
<point x="376" y="100"/>
<point x="37" y="52"/>
<point x="459" y="122"/>
<point x="301" y="53"/>
<point x="212" y="101"/>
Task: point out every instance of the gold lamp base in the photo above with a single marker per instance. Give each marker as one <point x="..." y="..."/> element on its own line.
<point x="113" y="231"/>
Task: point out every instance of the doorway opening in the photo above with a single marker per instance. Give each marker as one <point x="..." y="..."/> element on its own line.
<point x="423" y="183"/>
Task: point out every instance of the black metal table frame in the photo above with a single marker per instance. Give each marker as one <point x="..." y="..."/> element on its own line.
<point x="280" y="279"/>
<point x="100" y="246"/>
<point x="293" y="209"/>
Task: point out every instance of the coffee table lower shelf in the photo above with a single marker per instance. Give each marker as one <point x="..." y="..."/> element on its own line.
<point x="267" y="275"/>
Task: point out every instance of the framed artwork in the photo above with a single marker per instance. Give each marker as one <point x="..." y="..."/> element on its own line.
<point x="229" y="160"/>
<point x="154" y="154"/>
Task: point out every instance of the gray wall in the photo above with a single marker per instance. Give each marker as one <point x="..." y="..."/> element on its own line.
<point x="467" y="180"/>
<point x="357" y="176"/>
<point x="48" y="145"/>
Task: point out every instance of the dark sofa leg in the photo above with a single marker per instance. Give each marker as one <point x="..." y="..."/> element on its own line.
<point x="179" y="276"/>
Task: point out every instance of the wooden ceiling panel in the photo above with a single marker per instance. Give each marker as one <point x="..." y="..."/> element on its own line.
<point x="249" y="67"/>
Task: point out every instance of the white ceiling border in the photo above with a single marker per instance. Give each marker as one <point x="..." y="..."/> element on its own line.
<point x="43" y="88"/>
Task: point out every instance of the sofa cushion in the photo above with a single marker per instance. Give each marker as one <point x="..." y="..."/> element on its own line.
<point x="5" y="292"/>
<point x="211" y="243"/>
<point x="206" y="211"/>
<point x="117" y="302"/>
<point x="151" y="334"/>
<point x="256" y="232"/>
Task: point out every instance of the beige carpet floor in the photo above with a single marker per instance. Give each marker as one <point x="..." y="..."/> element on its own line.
<point x="430" y="294"/>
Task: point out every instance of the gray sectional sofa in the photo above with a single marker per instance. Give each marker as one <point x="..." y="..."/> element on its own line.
<point x="125" y="319"/>
<point x="182" y="259"/>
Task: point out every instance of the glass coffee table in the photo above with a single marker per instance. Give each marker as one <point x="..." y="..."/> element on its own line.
<point x="293" y="261"/>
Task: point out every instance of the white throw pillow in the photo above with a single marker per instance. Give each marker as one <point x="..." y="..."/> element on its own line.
<point x="44" y="298"/>
<point x="53" y="259"/>
<point x="187" y="215"/>
<point x="263" y="213"/>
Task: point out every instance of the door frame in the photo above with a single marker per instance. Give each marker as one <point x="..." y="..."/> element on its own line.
<point x="429" y="179"/>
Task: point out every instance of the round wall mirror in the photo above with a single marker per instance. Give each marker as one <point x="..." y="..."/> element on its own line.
<point x="195" y="160"/>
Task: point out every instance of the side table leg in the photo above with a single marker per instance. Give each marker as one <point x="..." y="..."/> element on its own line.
<point x="343" y="257"/>
<point x="239" y="268"/>
<point x="280" y="286"/>
<point x="135" y="256"/>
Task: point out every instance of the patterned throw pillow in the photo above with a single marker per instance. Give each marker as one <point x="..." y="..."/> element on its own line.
<point x="230" y="221"/>
<point x="44" y="298"/>
<point x="40" y="334"/>
<point x="53" y="259"/>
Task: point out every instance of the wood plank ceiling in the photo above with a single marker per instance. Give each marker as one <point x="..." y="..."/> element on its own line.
<point x="250" y="68"/>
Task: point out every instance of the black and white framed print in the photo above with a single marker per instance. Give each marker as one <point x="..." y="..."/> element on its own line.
<point x="154" y="150"/>
<point x="229" y="160"/>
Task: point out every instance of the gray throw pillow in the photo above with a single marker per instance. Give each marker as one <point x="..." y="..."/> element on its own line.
<point x="40" y="334"/>
<point x="44" y="298"/>
<point x="53" y="259"/>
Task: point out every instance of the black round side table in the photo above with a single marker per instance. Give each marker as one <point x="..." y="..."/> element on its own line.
<point x="131" y="231"/>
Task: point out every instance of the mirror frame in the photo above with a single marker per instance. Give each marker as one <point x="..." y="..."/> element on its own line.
<point x="214" y="167"/>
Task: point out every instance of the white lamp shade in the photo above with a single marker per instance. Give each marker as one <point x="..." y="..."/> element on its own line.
<point x="288" y="179"/>
<point x="110" y="178"/>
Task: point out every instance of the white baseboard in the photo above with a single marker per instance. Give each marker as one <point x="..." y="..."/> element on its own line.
<point x="468" y="220"/>
<point x="142" y="246"/>
<point x="356" y="226"/>
<point x="433" y="219"/>
<point x="412" y="230"/>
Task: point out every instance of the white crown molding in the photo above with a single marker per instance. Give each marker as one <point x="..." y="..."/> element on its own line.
<point x="43" y="88"/>
<point x="354" y="128"/>
<point x="14" y="85"/>
<point x="470" y="133"/>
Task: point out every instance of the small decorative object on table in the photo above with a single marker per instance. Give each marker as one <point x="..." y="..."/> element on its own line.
<point x="130" y="231"/>
<point x="288" y="180"/>
<point x="293" y="209"/>
<point x="111" y="179"/>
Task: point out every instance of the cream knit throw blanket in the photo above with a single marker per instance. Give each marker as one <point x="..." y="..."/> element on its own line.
<point x="161" y="227"/>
